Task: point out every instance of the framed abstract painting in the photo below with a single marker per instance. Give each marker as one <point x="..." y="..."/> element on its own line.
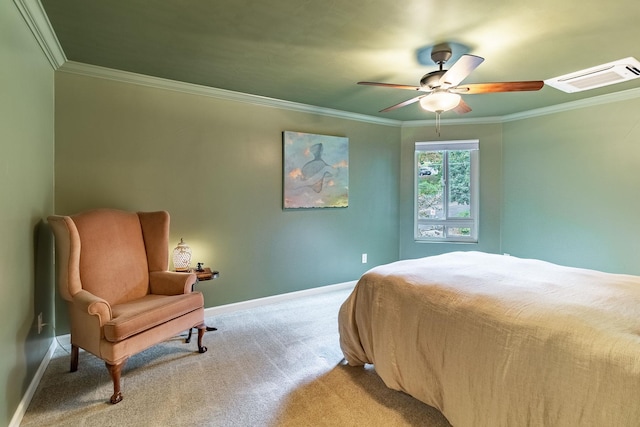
<point x="315" y="171"/>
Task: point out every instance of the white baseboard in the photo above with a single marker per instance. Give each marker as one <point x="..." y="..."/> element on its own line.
<point x="28" y="395"/>
<point x="245" y="305"/>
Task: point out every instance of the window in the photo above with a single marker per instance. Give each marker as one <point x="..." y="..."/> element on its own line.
<point x="446" y="191"/>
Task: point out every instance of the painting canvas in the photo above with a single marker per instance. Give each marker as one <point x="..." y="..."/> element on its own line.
<point x="316" y="171"/>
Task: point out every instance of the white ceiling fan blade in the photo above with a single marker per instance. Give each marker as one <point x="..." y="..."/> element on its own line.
<point x="403" y="103"/>
<point x="460" y="70"/>
<point x="395" y="86"/>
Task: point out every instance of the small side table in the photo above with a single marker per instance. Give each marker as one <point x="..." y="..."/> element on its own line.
<point x="202" y="273"/>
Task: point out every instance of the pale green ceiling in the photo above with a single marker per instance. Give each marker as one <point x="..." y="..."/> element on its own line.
<point x="314" y="52"/>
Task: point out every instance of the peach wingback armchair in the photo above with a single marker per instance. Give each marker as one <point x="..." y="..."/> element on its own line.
<point x="113" y="270"/>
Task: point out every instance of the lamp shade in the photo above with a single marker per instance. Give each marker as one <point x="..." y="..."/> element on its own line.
<point x="439" y="101"/>
<point x="182" y="256"/>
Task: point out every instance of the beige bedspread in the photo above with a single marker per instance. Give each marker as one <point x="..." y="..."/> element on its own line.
<point x="493" y="340"/>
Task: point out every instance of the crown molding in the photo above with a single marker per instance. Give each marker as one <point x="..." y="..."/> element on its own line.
<point x="574" y="105"/>
<point x="38" y="22"/>
<point x="157" y="82"/>
<point x="552" y="109"/>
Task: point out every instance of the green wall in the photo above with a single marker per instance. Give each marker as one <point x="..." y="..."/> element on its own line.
<point x="490" y="137"/>
<point x="26" y="190"/>
<point x="571" y="182"/>
<point x="216" y="166"/>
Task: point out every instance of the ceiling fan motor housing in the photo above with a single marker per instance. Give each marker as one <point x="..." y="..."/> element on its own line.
<point x="432" y="79"/>
<point x="440" y="55"/>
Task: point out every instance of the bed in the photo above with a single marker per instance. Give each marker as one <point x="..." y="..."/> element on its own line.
<point x="496" y="340"/>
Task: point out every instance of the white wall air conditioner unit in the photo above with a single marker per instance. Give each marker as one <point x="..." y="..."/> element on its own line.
<point x="601" y="75"/>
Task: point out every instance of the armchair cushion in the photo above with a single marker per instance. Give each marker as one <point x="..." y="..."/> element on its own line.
<point x="139" y="315"/>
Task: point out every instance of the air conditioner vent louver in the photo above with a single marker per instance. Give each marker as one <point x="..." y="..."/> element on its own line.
<point x="601" y="75"/>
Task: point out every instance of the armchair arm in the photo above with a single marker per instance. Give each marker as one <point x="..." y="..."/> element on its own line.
<point x="86" y="302"/>
<point x="171" y="283"/>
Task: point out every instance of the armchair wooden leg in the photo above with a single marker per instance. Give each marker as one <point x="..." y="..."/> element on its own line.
<point x="74" y="358"/>
<point x="115" y="371"/>
<point x="201" y="330"/>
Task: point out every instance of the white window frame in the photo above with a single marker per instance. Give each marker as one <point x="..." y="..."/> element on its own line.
<point x="472" y="221"/>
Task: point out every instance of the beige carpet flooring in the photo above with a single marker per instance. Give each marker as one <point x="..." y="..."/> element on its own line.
<point x="275" y="365"/>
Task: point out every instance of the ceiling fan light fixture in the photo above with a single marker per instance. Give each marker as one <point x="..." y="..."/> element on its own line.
<point x="440" y="101"/>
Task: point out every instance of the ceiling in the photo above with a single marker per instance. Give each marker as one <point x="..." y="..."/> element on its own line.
<point x="313" y="52"/>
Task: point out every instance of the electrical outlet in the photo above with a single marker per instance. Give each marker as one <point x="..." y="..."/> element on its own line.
<point x="364" y="258"/>
<point x="40" y="324"/>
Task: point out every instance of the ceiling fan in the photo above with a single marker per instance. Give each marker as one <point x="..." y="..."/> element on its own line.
<point x="441" y="89"/>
